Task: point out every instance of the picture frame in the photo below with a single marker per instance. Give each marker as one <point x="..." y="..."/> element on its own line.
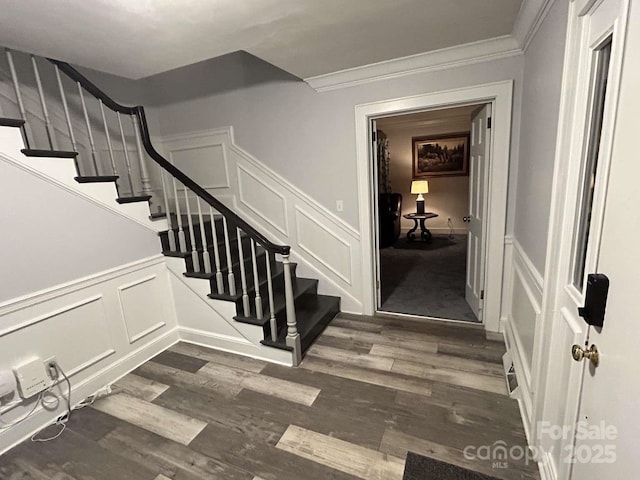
<point x="441" y="155"/>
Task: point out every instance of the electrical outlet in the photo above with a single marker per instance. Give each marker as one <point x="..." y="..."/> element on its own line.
<point x="339" y="205"/>
<point x="50" y="366"/>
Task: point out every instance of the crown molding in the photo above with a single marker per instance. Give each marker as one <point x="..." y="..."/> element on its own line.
<point x="530" y="18"/>
<point x="457" y="56"/>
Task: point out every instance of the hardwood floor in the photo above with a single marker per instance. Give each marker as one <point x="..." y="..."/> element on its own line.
<point x="369" y="390"/>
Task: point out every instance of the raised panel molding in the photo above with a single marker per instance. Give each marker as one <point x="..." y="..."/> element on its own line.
<point x="251" y="182"/>
<point x="324" y="245"/>
<point x="206" y="162"/>
<point x="139" y="314"/>
<point x="262" y="199"/>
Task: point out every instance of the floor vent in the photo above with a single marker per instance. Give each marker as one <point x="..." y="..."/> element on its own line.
<point x="510" y="376"/>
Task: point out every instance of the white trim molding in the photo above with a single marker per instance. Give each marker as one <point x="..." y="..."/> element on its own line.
<point x="498" y="93"/>
<point x="442" y="59"/>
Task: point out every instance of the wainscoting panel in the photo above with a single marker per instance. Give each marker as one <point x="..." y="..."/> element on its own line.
<point x="141" y="316"/>
<point x="523" y="292"/>
<point x="205" y="163"/>
<point x="98" y="328"/>
<point x="323" y="245"/>
<point x="263" y="200"/>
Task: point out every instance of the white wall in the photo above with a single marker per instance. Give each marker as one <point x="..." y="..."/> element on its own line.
<point x="50" y="236"/>
<point x="448" y="196"/>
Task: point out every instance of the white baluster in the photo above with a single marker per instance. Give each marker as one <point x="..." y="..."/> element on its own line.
<point x="206" y="258"/>
<point x="16" y="86"/>
<point x="126" y="155"/>
<point x="272" y="314"/>
<point x="144" y="174"/>
<point x="51" y="136"/>
<point x="293" y="336"/>
<point x="94" y="152"/>
<point x="256" y="280"/>
<point x="67" y="117"/>
<point x="171" y="234"/>
<point x="182" y="241"/>
<point x="216" y="252"/>
<point x="192" y="236"/>
<point x="230" y="275"/>
<point x="246" y="309"/>
<point x="108" y="137"/>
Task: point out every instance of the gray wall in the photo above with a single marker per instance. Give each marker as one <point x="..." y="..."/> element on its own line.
<point x="305" y="136"/>
<point x="50" y="236"/>
<point x="543" y="63"/>
<point x="539" y="124"/>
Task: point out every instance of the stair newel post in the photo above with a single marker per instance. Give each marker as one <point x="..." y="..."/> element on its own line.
<point x="293" y="336"/>
<point x="182" y="241"/>
<point x="144" y="173"/>
<point x="171" y="234"/>
<point x="192" y="236"/>
<point x="108" y="137"/>
<point x="92" y="143"/>
<point x="272" y="317"/>
<point x="126" y="155"/>
<point x="51" y="136"/>
<point x="256" y="280"/>
<point x="26" y="129"/>
<point x="206" y="257"/>
<point x="67" y="116"/>
<point x="216" y="252"/>
<point x="246" y="308"/>
<point x="230" y="275"/>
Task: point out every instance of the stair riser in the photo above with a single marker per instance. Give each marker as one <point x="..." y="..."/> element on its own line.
<point x="281" y="313"/>
<point x="277" y="279"/>
<point x="319" y="327"/>
<point x="198" y="236"/>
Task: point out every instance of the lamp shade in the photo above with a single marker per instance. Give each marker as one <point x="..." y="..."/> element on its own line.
<point x="419" y="186"/>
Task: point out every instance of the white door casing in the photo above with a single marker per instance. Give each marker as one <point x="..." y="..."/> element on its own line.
<point x="375" y="193"/>
<point x="557" y="377"/>
<point x="479" y="159"/>
<point x="500" y="95"/>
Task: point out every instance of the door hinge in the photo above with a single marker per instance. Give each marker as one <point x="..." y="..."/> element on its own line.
<point x="375" y="136"/>
<point x="489" y="122"/>
<point x="378" y="284"/>
<point x="481" y="294"/>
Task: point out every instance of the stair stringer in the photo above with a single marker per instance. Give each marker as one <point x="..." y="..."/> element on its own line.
<point x="208" y="322"/>
<point x="62" y="172"/>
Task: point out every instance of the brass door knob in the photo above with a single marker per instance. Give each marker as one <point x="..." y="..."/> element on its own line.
<point x="578" y="353"/>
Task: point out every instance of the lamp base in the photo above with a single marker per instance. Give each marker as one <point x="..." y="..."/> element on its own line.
<point x="419" y="207"/>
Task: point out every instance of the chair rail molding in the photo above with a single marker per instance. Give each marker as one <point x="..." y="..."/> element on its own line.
<point x="284" y="212"/>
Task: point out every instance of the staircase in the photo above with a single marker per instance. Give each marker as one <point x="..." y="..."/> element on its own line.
<point x="62" y="114"/>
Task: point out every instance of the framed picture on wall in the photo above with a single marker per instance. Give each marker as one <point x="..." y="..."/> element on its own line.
<point x="441" y="155"/>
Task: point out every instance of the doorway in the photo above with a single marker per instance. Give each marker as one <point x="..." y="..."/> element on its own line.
<point x="499" y="95"/>
<point x="430" y="253"/>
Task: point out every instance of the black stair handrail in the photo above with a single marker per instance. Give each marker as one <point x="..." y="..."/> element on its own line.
<point x="138" y="111"/>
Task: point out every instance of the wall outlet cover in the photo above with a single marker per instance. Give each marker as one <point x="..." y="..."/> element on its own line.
<point x="32" y="377"/>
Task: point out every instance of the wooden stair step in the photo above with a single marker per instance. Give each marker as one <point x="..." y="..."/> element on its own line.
<point x="30" y="152"/>
<point x="97" y="179"/>
<point x="11" y="122"/>
<point x="141" y="198"/>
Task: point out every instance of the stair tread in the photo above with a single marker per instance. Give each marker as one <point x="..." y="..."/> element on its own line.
<point x="140" y="198"/>
<point x="11" y="122"/>
<point x="97" y="179"/>
<point x="32" y="152"/>
<point x="309" y="317"/>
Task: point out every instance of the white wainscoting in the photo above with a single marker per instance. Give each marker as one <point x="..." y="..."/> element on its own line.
<point x="98" y="328"/>
<point x="522" y="299"/>
<point x="323" y="245"/>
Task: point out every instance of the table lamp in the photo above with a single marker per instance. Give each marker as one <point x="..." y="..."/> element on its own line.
<point x="419" y="187"/>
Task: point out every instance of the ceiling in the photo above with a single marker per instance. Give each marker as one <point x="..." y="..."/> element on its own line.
<point x="138" y="38"/>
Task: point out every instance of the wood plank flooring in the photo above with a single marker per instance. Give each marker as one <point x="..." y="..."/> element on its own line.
<point x="370" y="390"/>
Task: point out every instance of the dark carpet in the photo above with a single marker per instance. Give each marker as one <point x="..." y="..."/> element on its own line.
<point x="426" y="279"/>
<point x="418" y="467"/>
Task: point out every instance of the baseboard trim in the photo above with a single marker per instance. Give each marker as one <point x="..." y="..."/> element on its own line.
<point x="525" y="402"/>
<point x="108" y="375"/>
<point x="232" y="345"/>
